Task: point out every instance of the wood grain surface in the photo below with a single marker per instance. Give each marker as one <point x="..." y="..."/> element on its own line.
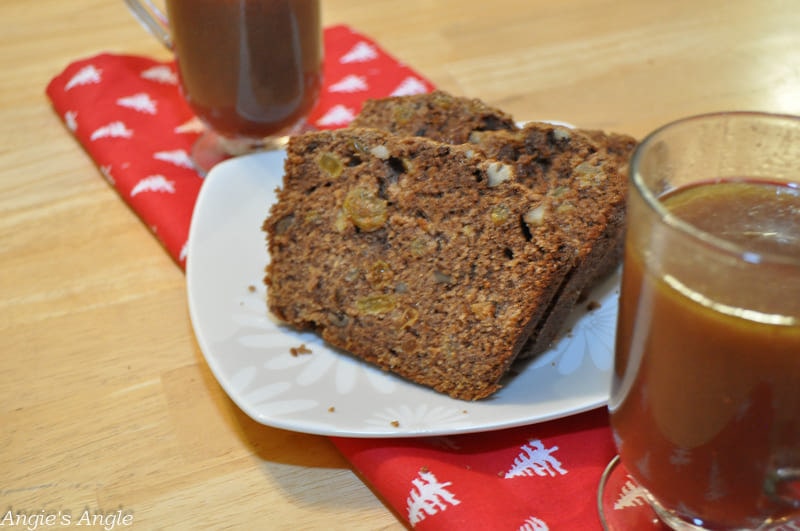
<point x="106" y="402"/>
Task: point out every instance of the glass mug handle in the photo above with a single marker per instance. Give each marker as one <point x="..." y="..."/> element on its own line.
<point x="153" y="20"/>
<point x="783" y="486"/>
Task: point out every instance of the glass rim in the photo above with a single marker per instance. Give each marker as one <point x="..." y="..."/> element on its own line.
<point x="688" y="229"/>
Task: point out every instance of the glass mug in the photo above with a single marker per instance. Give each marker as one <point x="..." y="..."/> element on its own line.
<point x="251" y="70"/>
<point x="705" y="399"/>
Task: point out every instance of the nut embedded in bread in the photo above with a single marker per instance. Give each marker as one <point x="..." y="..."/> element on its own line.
<point x="412" y="255"/>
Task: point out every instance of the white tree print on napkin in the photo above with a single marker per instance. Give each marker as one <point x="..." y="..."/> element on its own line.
<point x="178" y="157"/>
<point x="160" y="74"/>
<point x="428" y="497"/>
<point x="88" y="75"/>
<point x="409" y="86"/>
<point x="140" y="102"/>
<point x="337" y="115"/>
<point x="112" y="130"/>
<point x="193" y="125"/>
<point x="631" y="495"/>
<point x="535" y="459"/>
<point x="71" y="119"/>
<point x="350" y="84"/>
<point x="154" y="183"/>
<point x="360" y="53"/>
<point x="534" y="524"/>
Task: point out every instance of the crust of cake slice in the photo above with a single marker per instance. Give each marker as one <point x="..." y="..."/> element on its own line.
<point x="437" y="115"/>
<point x="413" y="255"/>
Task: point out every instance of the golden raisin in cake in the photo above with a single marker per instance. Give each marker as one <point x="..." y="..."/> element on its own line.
<point x="437" y="115"/>
<point x="417" y="256"/>
<point x="585" y="173"/>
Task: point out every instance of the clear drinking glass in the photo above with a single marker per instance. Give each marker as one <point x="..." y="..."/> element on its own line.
<point x="705" y="399"/>
<point x="251" y="70"/>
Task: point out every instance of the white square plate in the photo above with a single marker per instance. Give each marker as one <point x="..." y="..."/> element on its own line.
<point x="331" y="393"/>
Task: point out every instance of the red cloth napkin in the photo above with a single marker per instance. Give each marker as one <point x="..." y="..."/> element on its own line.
<point x="535" y="478"/>
<point x="128" y="114"/>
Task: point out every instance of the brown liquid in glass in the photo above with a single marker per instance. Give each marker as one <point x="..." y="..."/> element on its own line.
<point x="715" y="400"/>
<point x="248" y="68"/>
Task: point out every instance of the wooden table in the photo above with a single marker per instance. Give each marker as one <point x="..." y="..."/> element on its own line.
<point x="107" y="403"/>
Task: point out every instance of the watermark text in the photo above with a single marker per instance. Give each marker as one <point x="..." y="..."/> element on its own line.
<point x="89" y="518"/>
